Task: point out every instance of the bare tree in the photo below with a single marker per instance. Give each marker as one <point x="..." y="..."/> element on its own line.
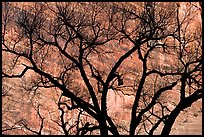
<point x="80" y="51"/>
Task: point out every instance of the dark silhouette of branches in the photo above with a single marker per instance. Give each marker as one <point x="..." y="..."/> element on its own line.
<point x="79" y="52"/>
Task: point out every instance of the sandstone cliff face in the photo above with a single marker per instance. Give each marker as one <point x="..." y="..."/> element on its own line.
<point x="119" y="102"/>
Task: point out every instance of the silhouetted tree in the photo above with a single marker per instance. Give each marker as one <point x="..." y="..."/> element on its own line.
<point x="78" y="51"/>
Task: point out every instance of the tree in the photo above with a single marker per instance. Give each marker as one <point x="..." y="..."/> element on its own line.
<point x="79" y="52"/>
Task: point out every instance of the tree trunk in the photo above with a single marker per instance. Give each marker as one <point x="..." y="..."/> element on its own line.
<point x="170" y="121"/>
<point x="103" y="127"/>
<point x="184" y="103"/>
